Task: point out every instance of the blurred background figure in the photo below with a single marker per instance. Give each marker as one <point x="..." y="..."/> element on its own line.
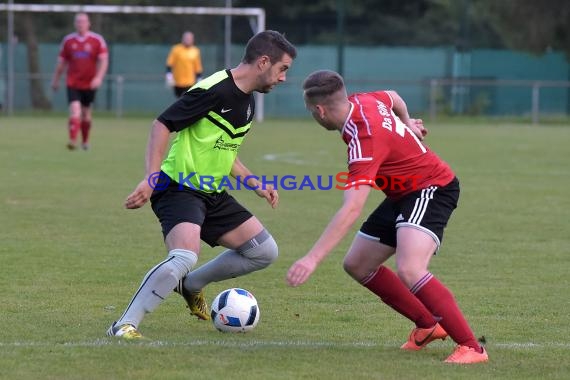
<point x="84" y="54"/>
<point x="183" y="65"/>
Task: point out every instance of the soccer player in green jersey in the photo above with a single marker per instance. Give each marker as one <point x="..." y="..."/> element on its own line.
<point x="211" y="121"/>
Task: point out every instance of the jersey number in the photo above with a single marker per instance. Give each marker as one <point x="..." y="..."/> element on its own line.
<point x="401" y="129"/>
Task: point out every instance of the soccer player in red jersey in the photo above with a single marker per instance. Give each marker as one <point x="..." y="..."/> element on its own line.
<point x="384" y="142"/>
<point x="85" y="56"/>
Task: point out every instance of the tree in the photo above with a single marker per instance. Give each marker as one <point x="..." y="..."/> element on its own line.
<point x="386" y="22"/>
<point x="531" y="25"/>
<point x="26" y="27"/>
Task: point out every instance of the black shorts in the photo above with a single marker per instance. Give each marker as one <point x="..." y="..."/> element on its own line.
<point x="85" y="97"/>
<point x="428" y="209"/>
<point x="217" y="213"/>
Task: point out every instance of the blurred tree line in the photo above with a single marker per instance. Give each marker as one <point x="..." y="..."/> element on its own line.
<point x="530" y="25"/>
<point x="527" y="25"/>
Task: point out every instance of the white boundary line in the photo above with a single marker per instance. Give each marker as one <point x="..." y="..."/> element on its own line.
<point x="259" y="343"/>
<point x="288" y="158"/>
<point x="296" y="158"/>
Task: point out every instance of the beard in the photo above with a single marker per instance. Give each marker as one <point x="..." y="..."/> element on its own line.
<point x="266" y="83"/>
<point x="266" y="88"/>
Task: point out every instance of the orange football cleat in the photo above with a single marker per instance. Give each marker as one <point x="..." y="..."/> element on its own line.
<point x="419" y="338"/>
<point x="467" y="355"/>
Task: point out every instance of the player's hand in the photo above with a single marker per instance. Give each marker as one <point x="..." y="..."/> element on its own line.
<point x="269" y="193"/>
<point x="300" y="271"/>
<point x="95" y="83"/>
<point x="417" y="126"/>
<point x="139" y="196"/>
<point x="169" y="80"/>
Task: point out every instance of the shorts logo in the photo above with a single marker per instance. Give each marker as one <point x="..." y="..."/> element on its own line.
<point x="400" y="218"/>
<point x="226" y="110"/>
<point x="222" y="145"/>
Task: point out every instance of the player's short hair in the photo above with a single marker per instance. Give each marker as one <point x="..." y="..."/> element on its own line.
<point x="321" y="84"/>
<point x="78" y="14"/>
<point x="270" y="43"/>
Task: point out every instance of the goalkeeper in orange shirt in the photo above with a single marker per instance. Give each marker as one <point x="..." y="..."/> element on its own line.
<point x="183" y="65"/>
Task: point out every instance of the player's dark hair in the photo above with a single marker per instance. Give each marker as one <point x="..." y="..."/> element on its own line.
<point x="321" y="84"/>
<point x="270" y="43"/>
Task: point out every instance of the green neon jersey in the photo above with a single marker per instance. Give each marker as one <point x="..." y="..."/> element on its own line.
<point x="211" y="119"/>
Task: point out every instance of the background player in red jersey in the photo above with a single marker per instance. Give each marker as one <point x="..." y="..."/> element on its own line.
<point x="85" y="56"/>
<point x="383" y="141"/>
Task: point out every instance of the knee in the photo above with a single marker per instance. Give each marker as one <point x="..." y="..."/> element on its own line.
<point x="354" y="268"/>
<point x="408" y="274"/>
<point x="182" y="261"/>
<point x="350" y="266"/>
<point x="263" y="254"/>
<point x="271" y="251"/>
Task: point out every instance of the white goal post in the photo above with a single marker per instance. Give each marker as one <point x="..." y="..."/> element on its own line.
<point x="10" y="8"/>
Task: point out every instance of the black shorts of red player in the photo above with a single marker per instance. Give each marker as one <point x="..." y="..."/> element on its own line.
<point x="427" y="209"/>
<point x="85" y="97"/>
<point x="216" y="213"/>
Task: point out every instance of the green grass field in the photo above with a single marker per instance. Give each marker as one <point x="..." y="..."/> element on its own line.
<point x="71" y="257"/>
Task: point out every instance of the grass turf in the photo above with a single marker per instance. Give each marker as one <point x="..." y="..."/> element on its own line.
<point x="71" y="257"/>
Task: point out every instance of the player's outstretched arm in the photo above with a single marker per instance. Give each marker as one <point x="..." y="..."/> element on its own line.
<point x="338" y="227"/>
<point x="241" y="172"/>
<point x="157" y="144"/>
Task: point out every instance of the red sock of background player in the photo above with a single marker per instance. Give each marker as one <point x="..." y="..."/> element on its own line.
<point x="441" y="303"/>
<point x="85" y="128"/>
<point x="388" y="286"/>
<point x="74" y="125"/>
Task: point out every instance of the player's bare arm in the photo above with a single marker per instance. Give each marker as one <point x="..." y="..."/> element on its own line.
<point x="59" y="69"/>
<point x="401" y="110"/>
<point x="239" y="170"/>
<point x="101" y="71"/>
<point x="157" y="144"/>
<point x="338" y="227"/>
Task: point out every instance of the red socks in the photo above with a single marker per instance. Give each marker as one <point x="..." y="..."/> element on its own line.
<point x="85" y="128"/>
<point x="388" y="286"/>
<point x="74" y="125"/>
<point x="427" y="300"/>
<point x="441" y="303"/>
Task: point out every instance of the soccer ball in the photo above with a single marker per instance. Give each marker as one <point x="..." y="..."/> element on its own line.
<point x="235" y="310"/>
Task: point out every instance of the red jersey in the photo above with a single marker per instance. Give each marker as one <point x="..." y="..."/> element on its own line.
<point x="81" y="54"/>
<point x="385" y="153"/>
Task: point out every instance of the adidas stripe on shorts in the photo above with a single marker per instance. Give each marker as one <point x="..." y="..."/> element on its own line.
<point x="427" y="209"/>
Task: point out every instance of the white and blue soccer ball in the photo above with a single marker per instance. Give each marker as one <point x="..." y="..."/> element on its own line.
<point x="235" y="310"/>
